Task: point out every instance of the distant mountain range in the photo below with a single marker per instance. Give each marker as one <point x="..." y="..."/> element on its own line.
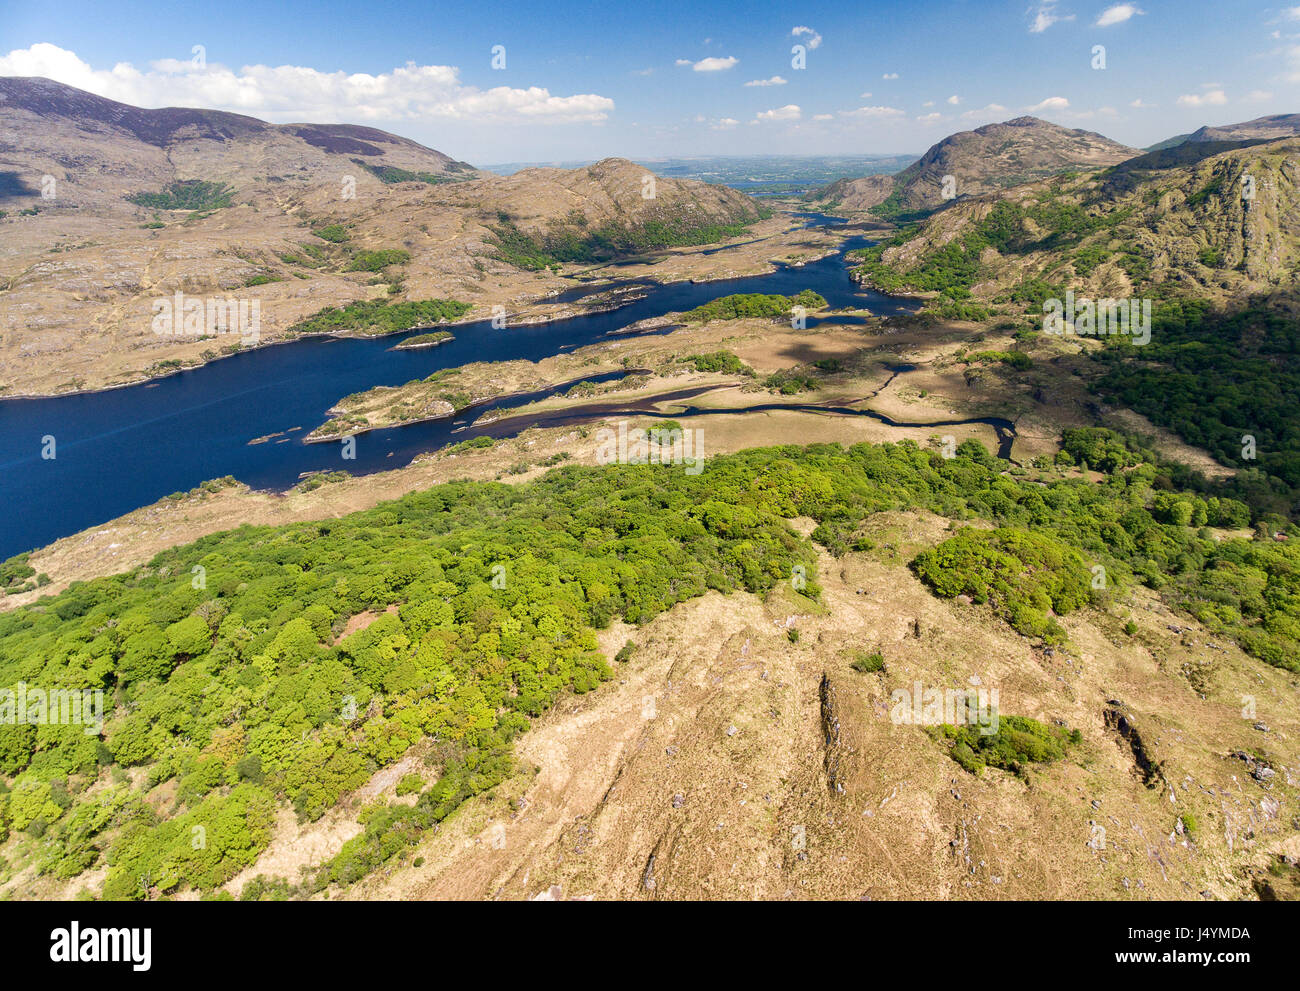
<point x="1003" y="156"/>
<point x="105" y="207"/>
<point x="1259" y="129"/>
<point x="126" y="144"/>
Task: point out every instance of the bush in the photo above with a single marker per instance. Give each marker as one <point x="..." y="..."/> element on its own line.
<point x="719" y="361"/>
<point x="743" y="305"/>
<point x="1021" y="574"/>
<point x="868" y="663"/>
<point x="1017" y="742"/>
<point x="377" y="261"/>
<point x="411" y="784"/>
<point x="380" y="316"/>
<point x="334" y="233"/>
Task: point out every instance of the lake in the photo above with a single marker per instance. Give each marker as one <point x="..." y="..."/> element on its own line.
<point x="120" y="449"/>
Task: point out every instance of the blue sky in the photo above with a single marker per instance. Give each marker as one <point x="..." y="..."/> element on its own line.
<point x="583" y="81"/>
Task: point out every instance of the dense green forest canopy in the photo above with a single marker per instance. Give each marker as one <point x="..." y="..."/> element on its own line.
<point x="754" y="304"/>
<point x="235" y="667"/>
<point x="1219" y="379"/>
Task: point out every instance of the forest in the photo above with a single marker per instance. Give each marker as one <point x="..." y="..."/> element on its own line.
<point x="380" y="316"/>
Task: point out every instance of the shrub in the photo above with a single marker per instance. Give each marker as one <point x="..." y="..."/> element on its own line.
<point x="868" y="663"/>
<point x="334" y="233"/>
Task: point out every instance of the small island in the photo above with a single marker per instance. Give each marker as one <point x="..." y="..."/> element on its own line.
<point x="431" y="340"/>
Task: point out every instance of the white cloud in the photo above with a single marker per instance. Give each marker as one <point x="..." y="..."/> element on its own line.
<point x="1045" y="15"/>
<point x="683" y="61"/>
<point x="1118" y="14"/>
<point x="927" y="103"/>
<point x="1291" y="13"/>
<point x="724" y="124"/>
<point x="823" y="116"/>
<point x="814" y="39"/>
<point x="954" y="100"/>
<point x="864" y="96"/>
<point x="876" y="112"/>
<point x="1051" y="103"/>
<point x="715" y="64"/>
<point x="1139" y="105"/>
<point x="1292" y="55"/>
<point x="774" y="81"/>
<point x="1214" y="98"/>
<point x="992" y="110"/>
<point x="890" y="75"/>
<point x="300" y="93"/>
<point x="788" y="112"/>
<point x="1257" y="96"/>
<point x="931" y="118"/>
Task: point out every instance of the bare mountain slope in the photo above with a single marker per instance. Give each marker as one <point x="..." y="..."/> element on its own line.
<point x="1268" y="128"/>
<point x="95" y="132"/>
<point x="856" y="195"/>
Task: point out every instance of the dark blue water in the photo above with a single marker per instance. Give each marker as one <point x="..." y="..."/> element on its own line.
<point x="120" y="449"/>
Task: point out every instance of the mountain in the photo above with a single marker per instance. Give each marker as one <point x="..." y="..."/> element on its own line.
<point x="998" y="156"/>
<point x="1268" y="128"/>
<point x="613" y="191"/>
<point x="139" y="204"/>
<point x="1173" y="218"/>
<point x="1173" y="142"/>
<point x="73" y="132"/>
<point x="855" y="195"/>
<point x="1206" y="252"/>
<point x="1260" y="129"/>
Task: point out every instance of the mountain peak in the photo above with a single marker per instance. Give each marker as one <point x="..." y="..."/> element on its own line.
<point x="1003" y="154"/>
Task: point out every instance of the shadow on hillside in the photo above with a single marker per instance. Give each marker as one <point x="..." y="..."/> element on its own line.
<point x="12" y="186"/>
